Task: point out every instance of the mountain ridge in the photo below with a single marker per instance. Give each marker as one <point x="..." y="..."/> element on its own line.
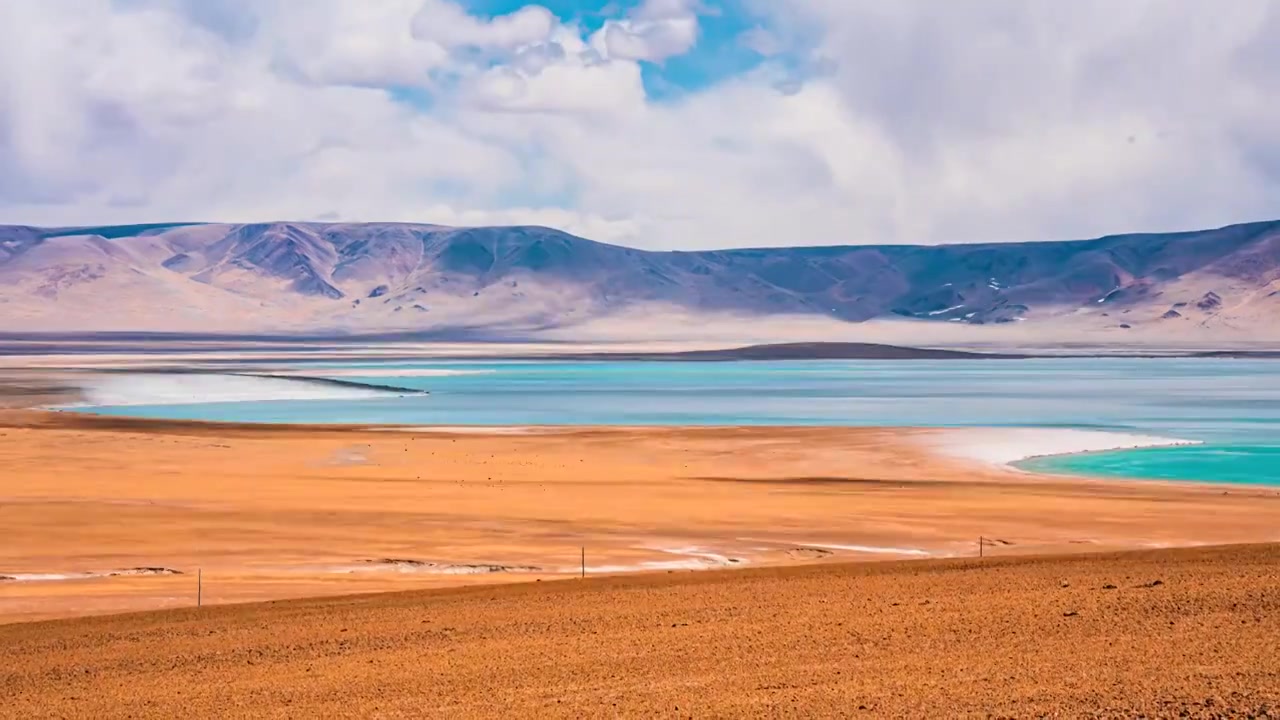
<point x="358" y="277"/>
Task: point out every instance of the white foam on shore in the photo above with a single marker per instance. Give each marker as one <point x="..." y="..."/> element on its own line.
<point x="1004" y="446"/>
<point x="189" y="388"/>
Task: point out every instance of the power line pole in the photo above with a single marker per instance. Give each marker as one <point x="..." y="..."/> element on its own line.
<point x="199" y="587"/>
<point x="584" y="562"/>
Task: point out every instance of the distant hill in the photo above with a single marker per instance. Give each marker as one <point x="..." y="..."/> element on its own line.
<point x="804" y="351"/>
<point x="394" y="277"/>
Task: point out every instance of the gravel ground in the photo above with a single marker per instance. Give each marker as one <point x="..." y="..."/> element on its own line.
<point x="1160" y="633"/>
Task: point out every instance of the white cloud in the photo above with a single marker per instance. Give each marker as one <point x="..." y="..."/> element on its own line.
<point x="910" y="121"/>
<point x="1043" y="119"/>
<point x="560" y="88"/>
<point x="563" y="75"/>
<point x="444" y="22"/>
<point x="357" y="43"/>
<point x="654" y="31"/>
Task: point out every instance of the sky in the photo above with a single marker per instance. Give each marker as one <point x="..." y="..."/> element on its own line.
<point x="661" y="124"/>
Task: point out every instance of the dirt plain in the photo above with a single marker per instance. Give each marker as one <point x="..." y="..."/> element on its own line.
<point x="1157" y="634"/>
<point x="264" y="513"/>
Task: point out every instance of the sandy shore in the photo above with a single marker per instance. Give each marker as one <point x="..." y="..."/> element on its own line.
<point x="277" y="512"/>
<point x="1156" y="634"/>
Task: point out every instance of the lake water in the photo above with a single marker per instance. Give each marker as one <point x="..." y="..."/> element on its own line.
<point x="1232" y="406"/>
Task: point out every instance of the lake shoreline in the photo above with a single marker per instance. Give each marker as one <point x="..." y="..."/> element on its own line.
<point x="256" y="506"/>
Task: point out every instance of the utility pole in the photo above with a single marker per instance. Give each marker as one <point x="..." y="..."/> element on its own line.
<point x="584" y="562"/>
<point x="981" y="542"/>
<point x="199" y="587"/>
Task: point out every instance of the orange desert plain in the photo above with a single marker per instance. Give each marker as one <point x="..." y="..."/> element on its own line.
<point x="729" y="572"/>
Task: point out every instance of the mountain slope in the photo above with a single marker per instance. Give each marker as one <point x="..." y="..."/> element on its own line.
<point x="312" y="277"/>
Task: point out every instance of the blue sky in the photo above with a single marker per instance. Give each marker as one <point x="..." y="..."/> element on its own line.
<point x="652" y="123"/>
<point x="720" y="52"/>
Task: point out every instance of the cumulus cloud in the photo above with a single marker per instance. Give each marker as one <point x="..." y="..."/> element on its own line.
<point x="863" y="121"/>
<point x="656" y="30"/>
<point x="562" y="87"/>
<point x="334" y="42"/>
<point x="1043" y="119"/>
<point x="447" y="23"/>
<point x="564" y="75"/>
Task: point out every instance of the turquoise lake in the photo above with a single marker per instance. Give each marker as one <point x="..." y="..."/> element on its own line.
<point x="1232" y="406"/>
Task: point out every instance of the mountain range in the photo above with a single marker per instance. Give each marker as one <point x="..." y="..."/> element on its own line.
<point x="312" y="278"/>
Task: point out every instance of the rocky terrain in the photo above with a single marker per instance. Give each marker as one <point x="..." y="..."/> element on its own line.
<point x="312" y="278"/>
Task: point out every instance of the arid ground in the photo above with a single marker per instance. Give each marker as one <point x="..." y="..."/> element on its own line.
<point x="105" y="515"/>
<point x="758" y="596"/>
<point x="1163" y="633"/>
